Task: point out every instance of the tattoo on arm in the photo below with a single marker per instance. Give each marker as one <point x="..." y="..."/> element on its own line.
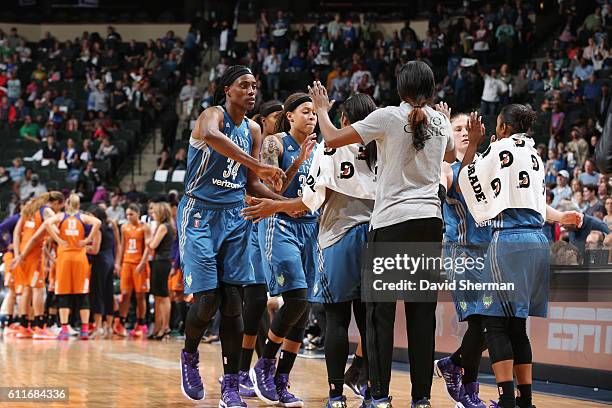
<point x="270" y="151"/>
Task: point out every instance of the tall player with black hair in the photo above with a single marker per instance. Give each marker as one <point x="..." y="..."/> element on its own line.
<point x="222" y="165"/>
<point x="506" y="185"/>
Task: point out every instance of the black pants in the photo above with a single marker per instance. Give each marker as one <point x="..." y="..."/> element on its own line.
<point x="101" y="295"/>
<point x="420" y="320"/>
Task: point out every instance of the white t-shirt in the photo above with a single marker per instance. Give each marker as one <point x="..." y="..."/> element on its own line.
<point x="493" y="87"/>
<point x="407" y="184"/>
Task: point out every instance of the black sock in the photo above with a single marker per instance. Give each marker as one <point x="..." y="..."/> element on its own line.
<point x="506" y="394"/>
<point x="456" y="357"/>
<point x="141" y="321"/>
<point x="39" y="321"/>
<point x="245" y="359"/>
<point x="31" y="323"/>
<point x="285" y="362"/>
<point x="357" y="361"/>
<point x="524" y="395"/>
<point x="23" y="321"/>
<point x="271" y="348"/>
<point x="336" y="389"/>
<point x="52" y="321"/>
<point x="10" y="320"/>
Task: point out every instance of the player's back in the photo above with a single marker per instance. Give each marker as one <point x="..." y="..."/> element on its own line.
<point x="134" y="238"/>
<point x="212" y="177"/>
<point x="72" y="230"/>
<point x="29" y="227"/>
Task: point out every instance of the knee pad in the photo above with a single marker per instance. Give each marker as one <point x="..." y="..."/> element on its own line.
<point x="206" y="304"/>
<point x="231" y="300"/>
<point x="255" y="301"/>
<point x="291" y="313"/>
<point x="498" y="339"/>
<point x="521" y="346"/>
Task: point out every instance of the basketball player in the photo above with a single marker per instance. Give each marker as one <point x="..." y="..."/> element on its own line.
<point x="222" y="164"/>
<point x="463" y="238"/>
<point x="50" y="251"/>
<point x="8" y="303"/>
<point x="412" y="140"/>
<point x="342" y="235"/>
<point x="72" y="268"/>
<point x="28" y="238"/>
<point x="256" y="295"/>
<point x="291" y="252"/>
<point x="518" y="253"/>
<point x="132" y="261"/>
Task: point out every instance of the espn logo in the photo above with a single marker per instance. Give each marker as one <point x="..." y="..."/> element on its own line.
<point x="581" y="327"/>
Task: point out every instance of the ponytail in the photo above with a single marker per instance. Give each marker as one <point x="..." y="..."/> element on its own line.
<point x="291" y="104"/>
<point x="418" y="123"/>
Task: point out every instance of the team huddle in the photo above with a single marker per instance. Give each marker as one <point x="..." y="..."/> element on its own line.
<point x="63" y="259"/>
<point x="267" y="211"/>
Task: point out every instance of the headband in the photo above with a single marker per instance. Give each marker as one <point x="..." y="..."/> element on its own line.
<point x="291" y="107"/>
<point x="271" y="109"/>
<point x="236" y="74"/>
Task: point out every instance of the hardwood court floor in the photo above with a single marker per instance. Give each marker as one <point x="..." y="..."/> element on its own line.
<point x="124" y="373"/>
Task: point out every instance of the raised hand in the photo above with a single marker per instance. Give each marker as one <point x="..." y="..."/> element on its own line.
<point x="306" y="147"/>
<point x="318" y="94"/>
<point x="475" y="128"/>
<point x="443" y="107"/>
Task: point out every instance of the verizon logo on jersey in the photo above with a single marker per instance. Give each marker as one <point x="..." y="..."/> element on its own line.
<point x="226" y="184"/>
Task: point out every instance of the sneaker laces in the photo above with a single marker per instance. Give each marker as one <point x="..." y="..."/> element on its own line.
<point x="267" y="375"/>
<point x="230" y="389"/>
<point x="192" y="362"/>
<point x="282" y="387"/>
<point x="452" y="376"/>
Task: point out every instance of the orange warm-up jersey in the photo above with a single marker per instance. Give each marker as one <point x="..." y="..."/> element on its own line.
<point x="72" y="267"/>
<point x="134" y="243"/>
<point x="133" y="250"/>
<point x="31" y="272"/>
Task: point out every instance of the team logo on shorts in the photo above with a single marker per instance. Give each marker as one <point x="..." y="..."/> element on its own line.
<point x="487" y="301"/>
<point x="280" y="279"/>
<point x="506" y="158"/>
<point x="188" y="280"/>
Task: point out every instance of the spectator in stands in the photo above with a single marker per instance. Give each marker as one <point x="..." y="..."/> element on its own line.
<point x="164" y="161"/>
<point x="590" y="176"/>
<point x="578" y="236"/>
<point x="119" y="102"/>
<point x="583" y="71"/>
<point x="115" y="211"/>
<point x="562" y="191"/>
<point x="133" y="195"/>
<point x="100" y="196"/>
<point x="280" y="31"/>
<point x="107" y="150"/>
<point x="493" y="89"/>
<point x="608" y="218"/>
<point x="98" y="99"/>
<point x="578" y="146"/>
<point x="17" y="172"/>
<point x="5" y="177"/>
<point x="32" y="189"/>
<point x="271" y="69"/>
<point x="86" y="154"/>
<point x="13" y="87"/>
<point x="51" y="150"/>
<point x="595" y="208"/>
<point x="30" y="130"/>
<point x="180" y="159"/>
